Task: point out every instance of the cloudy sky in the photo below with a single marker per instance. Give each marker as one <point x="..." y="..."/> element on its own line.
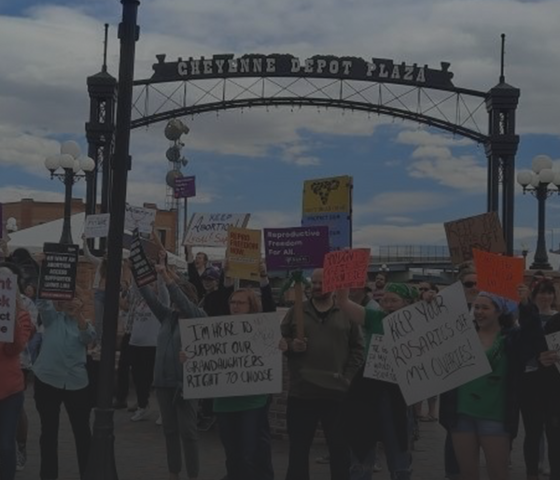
<point x="408" y="179"/>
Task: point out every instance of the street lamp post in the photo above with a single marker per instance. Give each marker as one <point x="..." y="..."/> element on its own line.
<point x="72" y="163"/>
<point x="541" y="182"/>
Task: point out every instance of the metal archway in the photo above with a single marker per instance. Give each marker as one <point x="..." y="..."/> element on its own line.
<point x="376" y="86"/>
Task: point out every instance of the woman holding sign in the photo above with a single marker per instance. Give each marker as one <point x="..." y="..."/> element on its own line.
<point x="376" y="409"/>
<point x="178" y="415"/>
<point x="12" y="383"/>
<point x="484" y="413"/>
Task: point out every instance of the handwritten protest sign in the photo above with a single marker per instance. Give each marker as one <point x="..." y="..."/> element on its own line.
<point x="434" y="347"/>
<point x="553" y="342"/>
<point x="244" y="253"/>
<point x="97" y="225"/>
<point x="377" y="363"/>
<point x="211" y="229"/>
<point x="325" y="195"/>
<point x="483" y="232"/>
<point x="139" y="217"/>
<point x="295" y="248"/>
<point x="232" y="355"/>
<point x="142" y="269"/>
<point x="499" y="274"/>
<point x="8" y="289"/>
<point x="57" y="280"/>
<point x="345" y="269"/>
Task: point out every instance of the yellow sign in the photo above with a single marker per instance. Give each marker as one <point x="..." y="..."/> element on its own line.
<point x="326" y="195"/>
<point x="244" y="253"/>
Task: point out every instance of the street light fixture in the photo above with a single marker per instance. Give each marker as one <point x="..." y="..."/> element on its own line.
<point x="541" y="182"/>
<point x="72" y="163"/>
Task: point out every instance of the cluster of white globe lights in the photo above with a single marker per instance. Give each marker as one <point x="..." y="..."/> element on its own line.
<point x="541" y="174"/>
<point x="70" y="158"/>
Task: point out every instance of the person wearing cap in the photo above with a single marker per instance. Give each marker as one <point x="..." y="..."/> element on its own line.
<point x="484" y="413"/>
<point x="376" y="410"/>
<point x="216" y="296"/>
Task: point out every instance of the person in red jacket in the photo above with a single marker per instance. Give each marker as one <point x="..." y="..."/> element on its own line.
<point x="12" y="388"/>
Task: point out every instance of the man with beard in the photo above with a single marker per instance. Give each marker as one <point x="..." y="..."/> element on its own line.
<point x="378" y="289"/>
<point x="321" y="366"/>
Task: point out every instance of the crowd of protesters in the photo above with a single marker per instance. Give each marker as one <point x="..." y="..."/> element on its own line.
<point x="54" y="345"/>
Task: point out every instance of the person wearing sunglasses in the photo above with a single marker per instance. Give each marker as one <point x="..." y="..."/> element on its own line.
<point x="467" y="276"/>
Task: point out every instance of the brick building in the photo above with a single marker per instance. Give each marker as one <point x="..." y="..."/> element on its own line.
<point x="29" y="213"/>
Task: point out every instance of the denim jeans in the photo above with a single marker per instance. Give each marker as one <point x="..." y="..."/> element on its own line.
<point x="10" y="408"/>
<point x="398" y="461"/>
<point x="245" y="437"/>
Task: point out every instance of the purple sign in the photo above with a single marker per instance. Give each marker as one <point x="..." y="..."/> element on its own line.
<point x="184" y="187"/>
<point x="295" y="248"/>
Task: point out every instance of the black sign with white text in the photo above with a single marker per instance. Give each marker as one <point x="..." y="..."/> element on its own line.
<point x="58" y="271"/>
<point x="142" y="269"/>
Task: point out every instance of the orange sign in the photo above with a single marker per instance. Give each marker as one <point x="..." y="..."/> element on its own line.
<point x="345" y="269"/>
<point x="499" y="274"/>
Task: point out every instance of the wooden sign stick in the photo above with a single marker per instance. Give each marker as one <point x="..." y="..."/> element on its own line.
<point x="298" y="309"/>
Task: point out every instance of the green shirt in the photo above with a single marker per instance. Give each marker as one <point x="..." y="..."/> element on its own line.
<point x="373" y="325"/>
<point x="485" y="397"/>
<point x="239" y="404"/>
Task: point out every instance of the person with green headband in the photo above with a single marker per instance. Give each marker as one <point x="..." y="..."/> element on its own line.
<point x="375" y="409"/>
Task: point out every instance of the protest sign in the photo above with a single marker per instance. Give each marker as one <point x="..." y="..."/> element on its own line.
<point x="244" y="253"/>
<point x="97" y="225"/>
<point x="339" y="224"/>
<point x="1" y="221"/>
<point x="324" y="195"/>
<point x="499" y="274"/>
<point x="483" y="232"/>
<point x="378" y="366"/>
<point x="232" y="355"/>
<point x="139" y="218"/>
<point x="553" y="342"/>
<point x="142" y="269"/>
<point x="57" y="280"/>
<point x="433" y="346"/>
<point x="184" y="187"/>
<point x="211" y="229"/>
<point x="8" y="289"/>
<point x="345" y="269"/>
<point x="295" y="248"/>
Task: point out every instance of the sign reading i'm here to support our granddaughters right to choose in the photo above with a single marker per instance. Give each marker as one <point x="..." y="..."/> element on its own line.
<point x="232" y="355"/>
<point x="433" y="346"/>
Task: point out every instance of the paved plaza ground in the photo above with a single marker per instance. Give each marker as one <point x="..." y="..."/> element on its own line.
<point x="140" y="452"/>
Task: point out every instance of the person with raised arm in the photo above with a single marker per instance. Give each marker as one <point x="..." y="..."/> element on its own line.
<point x="376" y="410"/>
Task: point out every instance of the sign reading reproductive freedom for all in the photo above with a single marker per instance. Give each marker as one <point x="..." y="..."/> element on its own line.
<point x="481" y="231"/>
<point x="232" y="355"/>
<point x="8" y="289"/>
<point x="295" y="248"/>
<point x="211" y="229"/>
<point x="345" y="269"/>
<point x="433" y="346"/>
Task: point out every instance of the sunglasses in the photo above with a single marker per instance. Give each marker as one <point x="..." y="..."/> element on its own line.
<point x="469" y="284"/>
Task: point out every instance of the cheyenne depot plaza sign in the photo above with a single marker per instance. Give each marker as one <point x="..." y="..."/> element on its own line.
<point x="328" y="66"/>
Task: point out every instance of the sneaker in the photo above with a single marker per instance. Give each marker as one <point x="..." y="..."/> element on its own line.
<point x="205" y="423"/>
<point x="21" y="458"/>
<point x="140" y="414"/>
<point x="325" y="459"/>
<point x="158" y="421"/>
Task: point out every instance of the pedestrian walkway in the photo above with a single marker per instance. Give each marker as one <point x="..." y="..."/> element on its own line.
<point x="140" y="452"/>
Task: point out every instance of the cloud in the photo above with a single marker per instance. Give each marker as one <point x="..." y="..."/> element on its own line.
<point x="422" y="137"/>
<point x="16" y="193"/>
<point x="427" y="233"/>
<point x="395" y="203"/>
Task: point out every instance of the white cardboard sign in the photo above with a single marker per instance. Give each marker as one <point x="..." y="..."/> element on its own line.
<point x="553" y="342"/>
<point x="434" y="347"/>
<point x="211" y="229"/>
<point x="377" y="365"/>
<point x="97" y="225"/>
<point x="139" y="217"/>
<point x="232" y="355"/>
<point x="8" y="289"/>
